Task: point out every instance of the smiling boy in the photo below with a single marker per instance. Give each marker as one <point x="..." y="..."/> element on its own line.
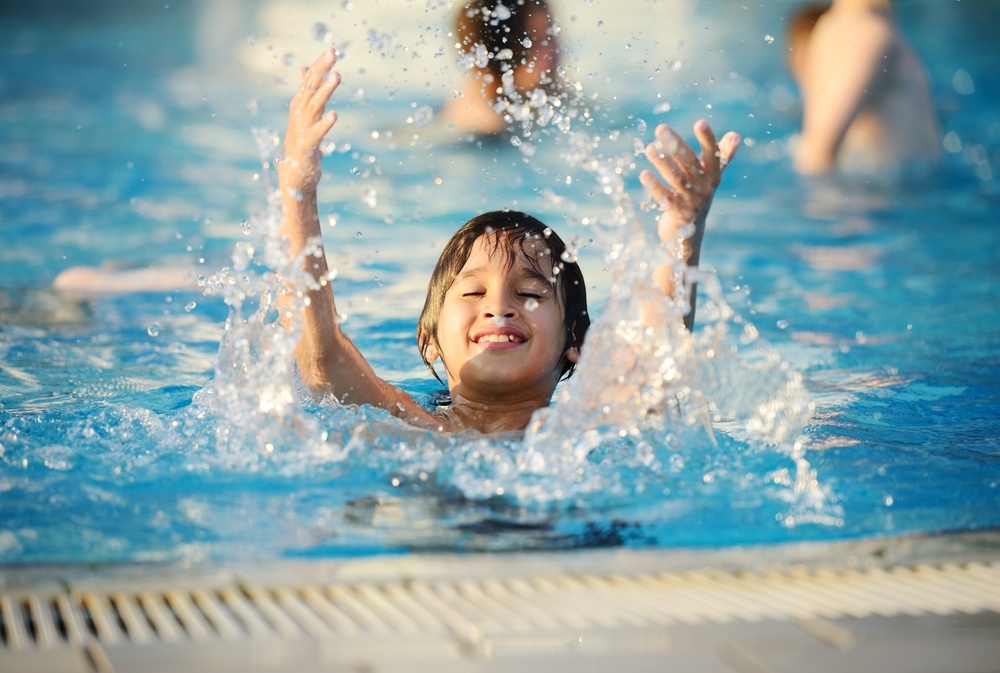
<point x="504" y="314"/>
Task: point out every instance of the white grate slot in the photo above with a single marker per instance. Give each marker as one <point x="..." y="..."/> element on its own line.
<point x="464" y="628"/>
<point x="282" y="624"/>
<point x="103" y="618"/>
<point x="847" y="586"/>
<point x="982" y="582"/>
<point x="302" y="614"/>
<point x="892" y="591"/>
<point x="219" y="617"/>
<point x="390" y="614"/>
<point x="246" y="613"/>
<point x="919" y="600"/>
<point x="825" y="597"/>
<point x="809" y="600"/>
<point x="731" y="605"/>
<point x="358" y="610"/>
<point x="72" y="621"/>
<point x="46" y="634"/>
<point x="750" y="594"/>
<point x="162" y="618"/>
<point x="988" y="577"/>
<point x="132" y="618"/>
<point x="560" y="610"/>
<point x="632" y="608"/>
<point x="16" y="635"/>
<point x="421" y="614"/>
<point x="643" y="603"/>
<point x="949" y="595"/>
<point x="984" y="589"/>
<point x="450" y="597"/>
<point x="330" y="613"/>
<point x="590" y="601"/>
<point x="530" y="610"/>
<point x="684" y="599"/>
<point x="473" y="593"/>
<point x="190" y="618"/>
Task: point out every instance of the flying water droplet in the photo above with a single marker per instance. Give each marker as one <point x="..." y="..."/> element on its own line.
<point x="423" y="116"/>
<point x="321" y="33"/>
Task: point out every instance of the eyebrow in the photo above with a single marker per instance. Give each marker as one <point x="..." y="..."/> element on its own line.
<point x="527" y="269"/>
<point x="534" y="274"/>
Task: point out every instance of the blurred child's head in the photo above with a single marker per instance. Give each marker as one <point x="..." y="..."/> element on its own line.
<point x="516" y="36"/>
<point x="530" y="254"/>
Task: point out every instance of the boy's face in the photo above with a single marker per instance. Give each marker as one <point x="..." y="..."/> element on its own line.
<point x="501" y="330"/>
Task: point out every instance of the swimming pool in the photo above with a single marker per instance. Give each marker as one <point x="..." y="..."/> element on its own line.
<point x="127" y="434"/>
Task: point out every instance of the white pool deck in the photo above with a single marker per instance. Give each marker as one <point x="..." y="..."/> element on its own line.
<point x="922" y="604"/>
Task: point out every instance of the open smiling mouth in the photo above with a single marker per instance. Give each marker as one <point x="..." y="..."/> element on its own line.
<point x="499" y="339"/>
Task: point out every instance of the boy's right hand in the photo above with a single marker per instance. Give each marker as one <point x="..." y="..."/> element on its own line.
<point x="300" y="167"/>
<point x="689" y="178"/>
<point x="684" y="194"/>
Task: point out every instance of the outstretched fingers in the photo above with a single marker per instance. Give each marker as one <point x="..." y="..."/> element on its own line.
<point x="727" y="148"/>
<point x="311" y="78"/>
<point x="709" y="149"/>
<point x="309" y="121"/>
<point x="690" y="177"/>
<point x="672" y="158"/>
<point x="317" y="84"/>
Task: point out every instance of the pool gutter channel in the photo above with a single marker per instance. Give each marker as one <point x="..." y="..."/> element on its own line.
<point x="453" y="608"/>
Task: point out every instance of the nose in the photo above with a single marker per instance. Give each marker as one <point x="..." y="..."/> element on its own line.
<point x="500" y="305"/>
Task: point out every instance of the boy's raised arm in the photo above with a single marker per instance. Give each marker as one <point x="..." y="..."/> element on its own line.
<point x="685" y="199"/>
<point x="328" y="361"/>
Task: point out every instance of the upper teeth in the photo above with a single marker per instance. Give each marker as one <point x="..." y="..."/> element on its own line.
<point x="497" y="338"/>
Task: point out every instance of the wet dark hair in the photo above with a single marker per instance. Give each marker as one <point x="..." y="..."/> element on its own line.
<point x="509" y="228"/>
<point x="479" y="22"/>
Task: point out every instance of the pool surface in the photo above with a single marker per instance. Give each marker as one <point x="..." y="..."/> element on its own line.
<point x="164" y="426"/>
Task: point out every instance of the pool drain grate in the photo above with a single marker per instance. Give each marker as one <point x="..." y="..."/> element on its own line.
<point x="467" y="611"/>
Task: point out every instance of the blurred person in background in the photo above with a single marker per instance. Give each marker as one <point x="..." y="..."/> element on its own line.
<point x="866" y="99"/>
<point x="510" y="49"/>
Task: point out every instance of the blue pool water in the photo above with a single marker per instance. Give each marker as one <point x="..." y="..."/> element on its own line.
<point x="157" y="426"/>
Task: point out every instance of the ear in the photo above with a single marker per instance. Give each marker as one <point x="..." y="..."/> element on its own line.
<point x="431" y="352"/>
<point x="573" y="354"/>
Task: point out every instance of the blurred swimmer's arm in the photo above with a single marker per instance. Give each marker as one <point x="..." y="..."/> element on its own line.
<point x="93" y="281"/>
<point x="685" y="199"/>
<point x="846" y="52"/>
<point x="328" y="360"/>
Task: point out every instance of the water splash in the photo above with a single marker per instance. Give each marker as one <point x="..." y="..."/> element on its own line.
<point x="651" y="407"/>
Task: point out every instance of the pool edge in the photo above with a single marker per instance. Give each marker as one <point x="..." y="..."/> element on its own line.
<point x="911" y="601"/>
